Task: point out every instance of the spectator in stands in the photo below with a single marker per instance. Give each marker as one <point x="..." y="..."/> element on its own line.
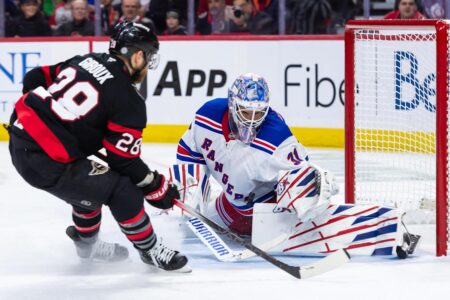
<point x="216" y="20"/>
<point x="203" y="6"/>
<point x="157" y="13"/>
<point x="342" y="11"/>
<point x="80" y="25"/>
<point x="10" y="9"/>
<point x="173" y="24"/>
<point x="30" y="22"/>
<point x="130" y="12"/>
<point x="310" y="17"/>
<point x="61" y="15"/>
<point x="406" y="9"/>
<point x="433" y="9"/>
<point x="109" y="16"/>
<point x="270" y="7"/>
<point x="247" y="19"/>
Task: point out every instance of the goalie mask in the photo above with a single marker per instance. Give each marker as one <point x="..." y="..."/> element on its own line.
<point x="248" y="105"/>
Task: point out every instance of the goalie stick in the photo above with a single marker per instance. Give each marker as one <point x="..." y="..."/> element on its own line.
<point x="328" y="263"/>
<point x="220" y="249"/>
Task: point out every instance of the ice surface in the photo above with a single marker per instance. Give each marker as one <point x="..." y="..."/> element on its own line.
<point x="37" y="260"/>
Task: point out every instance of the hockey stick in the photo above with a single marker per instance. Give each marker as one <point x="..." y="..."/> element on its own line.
<point x="220" y="249"/>
<point x="328" y="263"/>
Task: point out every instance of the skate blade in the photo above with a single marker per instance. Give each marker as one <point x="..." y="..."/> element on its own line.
<point x="184" y="269"/>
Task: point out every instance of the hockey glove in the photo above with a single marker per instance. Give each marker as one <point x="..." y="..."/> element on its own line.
<point x="326" y="183"/>
<point x="295" y="190"/>
<point x="160" y="192"/>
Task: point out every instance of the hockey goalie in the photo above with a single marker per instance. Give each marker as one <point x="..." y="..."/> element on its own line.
<point x="268" y="186"/>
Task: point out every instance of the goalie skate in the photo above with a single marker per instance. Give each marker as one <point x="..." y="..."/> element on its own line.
<point x="165" y="258"/>
<point x="409" y="245"/>
<point x="93" y="249"/>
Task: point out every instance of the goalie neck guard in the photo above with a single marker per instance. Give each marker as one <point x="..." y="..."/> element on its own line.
<point x="248" y="105"/>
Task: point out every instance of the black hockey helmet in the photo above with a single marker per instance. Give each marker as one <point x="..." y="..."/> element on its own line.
<point x="128" y="37"/>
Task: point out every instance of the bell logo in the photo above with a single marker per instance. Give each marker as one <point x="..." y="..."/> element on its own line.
<point x="422" y="91"/>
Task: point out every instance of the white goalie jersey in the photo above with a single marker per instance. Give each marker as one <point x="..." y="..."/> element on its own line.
<point x="247" y="173"/>
<point x="263" y="172"/>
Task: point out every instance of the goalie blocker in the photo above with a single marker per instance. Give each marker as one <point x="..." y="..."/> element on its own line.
<point x="303" y="213"/>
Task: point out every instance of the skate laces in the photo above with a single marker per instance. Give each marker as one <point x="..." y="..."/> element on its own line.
<point x="161" y="253"/>
<point x="103" y="250"/>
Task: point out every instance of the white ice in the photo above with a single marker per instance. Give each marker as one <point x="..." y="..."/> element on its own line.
<point x="37" y="260"/>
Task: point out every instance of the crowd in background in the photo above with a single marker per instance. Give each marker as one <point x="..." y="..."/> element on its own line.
<point x="169" y="17"/>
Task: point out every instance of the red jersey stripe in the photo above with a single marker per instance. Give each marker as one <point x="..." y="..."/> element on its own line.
<point x="265" y="144"/>
<point x="226" y="126"/>
<point x="48" y="77"/>
<point x="119" y="128"/>
<point x="39" y="131"/>
<point x="208" y="121"/>
<point x="111" y="148"/>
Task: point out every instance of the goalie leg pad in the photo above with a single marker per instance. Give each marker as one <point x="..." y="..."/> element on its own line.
<point x="361" y="229"/>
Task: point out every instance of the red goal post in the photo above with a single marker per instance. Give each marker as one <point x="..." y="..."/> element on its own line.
<point x="396" y="117"/>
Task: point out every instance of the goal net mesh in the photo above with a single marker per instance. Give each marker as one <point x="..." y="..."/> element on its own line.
<point x="395" y="120"/>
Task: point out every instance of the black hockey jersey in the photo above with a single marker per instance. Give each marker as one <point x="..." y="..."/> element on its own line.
<point x="75" y="108"/>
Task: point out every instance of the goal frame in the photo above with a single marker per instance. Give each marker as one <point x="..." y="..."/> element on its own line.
<point x="442" y="69"/>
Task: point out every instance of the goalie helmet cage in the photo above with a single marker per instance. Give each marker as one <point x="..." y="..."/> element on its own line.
<point x="396" y="118"/>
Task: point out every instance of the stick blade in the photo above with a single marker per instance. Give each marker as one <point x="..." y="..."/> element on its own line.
<point x="331" y="262"/>
<point x="245" y="254"/>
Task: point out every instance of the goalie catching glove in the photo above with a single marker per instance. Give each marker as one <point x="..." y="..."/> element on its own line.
<point x="158" y="191"/>
<point x="307" y="190"/>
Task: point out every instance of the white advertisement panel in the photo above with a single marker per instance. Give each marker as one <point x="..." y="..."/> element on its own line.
<point x="305" y="78"/>
<point x="17" y="58"/>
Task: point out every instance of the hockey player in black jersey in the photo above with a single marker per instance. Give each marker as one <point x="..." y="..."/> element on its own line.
<point x="71" y="110"/>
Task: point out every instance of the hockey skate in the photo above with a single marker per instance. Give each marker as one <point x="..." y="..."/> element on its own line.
<point x="409" y="243"/>
<point x="165" y="258"/>
<point x="93" y="249"/>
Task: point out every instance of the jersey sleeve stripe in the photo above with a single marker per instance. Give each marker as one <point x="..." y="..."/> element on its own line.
<point x="119" y="128"/>
<point x="265" y="144"/>
<point x="261" y="148"/>
<point x="111" y="148"/>
<point x="208" y="124"/>
<point x="208" y="127"/>
<point x="190" y="159"/>
<point x="40" y="132"/>
<point x="208" y="121"/>
<point x="185" y="147"/>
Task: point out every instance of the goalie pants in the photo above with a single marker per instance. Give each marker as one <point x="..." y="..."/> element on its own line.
<point x="239" y="221"/>
<point x="87" y="186"/>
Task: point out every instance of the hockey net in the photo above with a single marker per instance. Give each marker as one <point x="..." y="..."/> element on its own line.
<point x="397" y="119"/>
